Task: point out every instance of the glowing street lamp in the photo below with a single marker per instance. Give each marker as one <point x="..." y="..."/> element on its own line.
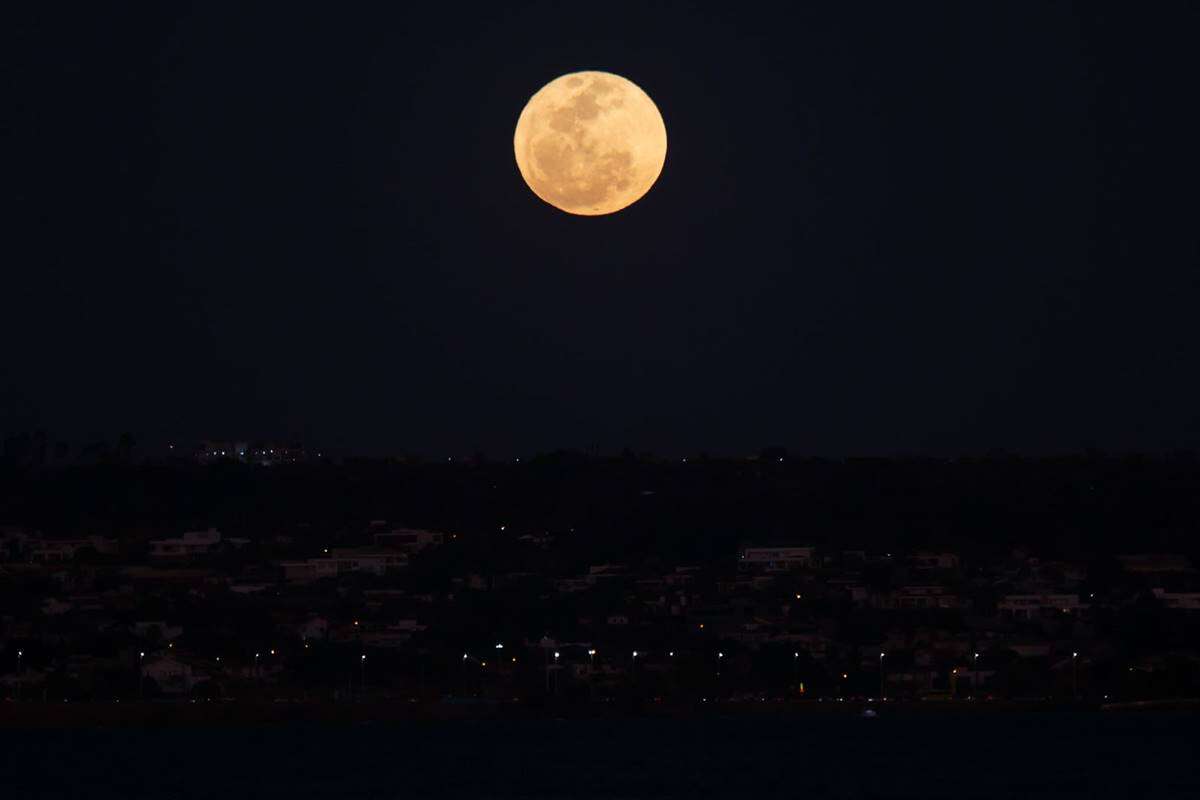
<point x="881" y="655"/>
<point x="20" y="655"/>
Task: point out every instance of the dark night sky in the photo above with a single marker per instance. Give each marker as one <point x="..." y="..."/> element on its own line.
<point x="881" y="227"/>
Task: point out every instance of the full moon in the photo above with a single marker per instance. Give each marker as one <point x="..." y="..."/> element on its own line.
<point x="590" y="143"/>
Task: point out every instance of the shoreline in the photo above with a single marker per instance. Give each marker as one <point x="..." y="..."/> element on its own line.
<point x="200" y="715"/>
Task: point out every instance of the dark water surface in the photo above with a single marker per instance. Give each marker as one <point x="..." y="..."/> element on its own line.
<point x="934" y="756"/>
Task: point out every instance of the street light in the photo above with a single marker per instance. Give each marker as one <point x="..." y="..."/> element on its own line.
<point x="362" y="661"/>
<point x="141" y="674"/>
<point x="20" y="654"/>
<point x="881" y="655"/>
<point x="1075" y="675"/>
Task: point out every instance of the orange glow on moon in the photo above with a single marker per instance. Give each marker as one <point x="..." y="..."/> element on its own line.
<point x="590" y="143"/>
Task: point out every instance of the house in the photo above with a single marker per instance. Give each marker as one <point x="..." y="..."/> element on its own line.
<point x="607" y="572"/>
<point x="409" y="540"/>
<point x="314" y="628"/>
<point x="852" y="588"/>
<point x="1155" y="562"/>
<point x="543" y="541"/>
<point x="152" y="629"/>
<point x="682" y="576"/>
<point x="568" y="585"/>
<point x="396" y="635"/>
<point x="923" y="596"/>
<point x="15" y="539"/>
<point x="310" y="569"/>
<point x="776" y="559"/>
<point x="172" y="675"/>
<point x="53" y="551"/>
<point x="1033" y="606"/>
<point x="1031" y="649"/>
<point x="1185" y="601"/>
<point x="342" y="561"/>
<point x="242" y="587"/>
<point x="373" y="561"/>
<point x="143" y="576"/>
<point x="934" y="560"/>
<point x="816" y="645"/>
<point x="192" y="543"/>
<point x="53" y="607"/>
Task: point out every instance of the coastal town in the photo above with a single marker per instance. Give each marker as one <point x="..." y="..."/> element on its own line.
<point x="375" y="610"/>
